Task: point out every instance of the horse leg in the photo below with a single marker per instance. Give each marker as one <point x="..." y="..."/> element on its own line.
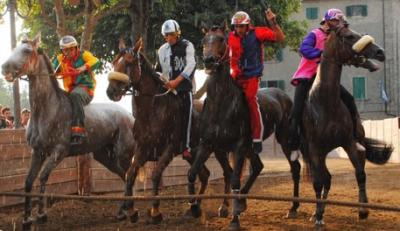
<point x="162" y="163"/>
<point x="197" y="167"/>
<point x="36" y="164"/>
<point x="357" y="158"/>
<point x="222" y="158"/>
<point x="50" y="165"/>
<point x="256" y="166"/>
<point x="109" y="161"/>
<point x="239" y="205"/>
<point x="127" y="207"/>
<point x="295" y="170"/>
<point x="318" y="182"/>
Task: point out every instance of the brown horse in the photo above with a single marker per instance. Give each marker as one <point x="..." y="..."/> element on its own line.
<point x="157" y="127"/>
<point x="109" y="127"/>
<point x="225" y="122"/>
<point x="327" y="123"/>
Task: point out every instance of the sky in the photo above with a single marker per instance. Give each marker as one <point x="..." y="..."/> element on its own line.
<point x="102" y="82"/>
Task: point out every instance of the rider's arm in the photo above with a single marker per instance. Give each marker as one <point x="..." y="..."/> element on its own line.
<point x="190" y="62"/>
<point x="307" y="47"/>
<point x="91" y="62"/>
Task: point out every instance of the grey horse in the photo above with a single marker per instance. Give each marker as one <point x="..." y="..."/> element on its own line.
<point x="109" y="127"/>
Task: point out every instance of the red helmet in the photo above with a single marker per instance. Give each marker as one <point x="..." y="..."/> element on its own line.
<point x="240" y="18"/>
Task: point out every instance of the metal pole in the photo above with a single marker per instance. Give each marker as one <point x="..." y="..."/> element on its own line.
<point x="17" y="105"/>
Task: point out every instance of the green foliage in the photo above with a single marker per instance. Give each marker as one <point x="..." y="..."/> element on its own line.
<point x="6" y="96"/>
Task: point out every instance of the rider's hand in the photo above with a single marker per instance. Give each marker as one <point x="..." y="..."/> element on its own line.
<point x="172" y="84"/>
<point x="270" y="16"/>
<point x="81" y="69"/>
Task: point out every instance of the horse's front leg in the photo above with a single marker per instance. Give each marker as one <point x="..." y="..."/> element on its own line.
<point x="222" y="158"/>
<point x="127" y="207"/>
<point x="202" y="153"/>
<point x="239" y="205"/>
<point x="162" y="163"/>
<point x="36" y="164"/>
<point x="55" y="158"/>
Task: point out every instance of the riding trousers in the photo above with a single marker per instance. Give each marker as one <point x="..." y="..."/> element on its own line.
<point x="79" y="98"/>
<point x="187" y="107"/>
<point x="250" y="88"/>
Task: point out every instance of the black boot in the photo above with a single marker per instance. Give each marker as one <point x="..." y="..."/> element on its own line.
<point x="297" y="111"/>
<point x="78" y="133"/>
<point x="348" y="100"/>
<point x="257" y="147"/>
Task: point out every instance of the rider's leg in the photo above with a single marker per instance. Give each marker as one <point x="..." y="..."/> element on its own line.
<point x="250" y="88"/>
<point x="300" y="96"/>
<point x="78" y="98"/>
<point x="348" y="100"/>
<point x="187" y="107"/>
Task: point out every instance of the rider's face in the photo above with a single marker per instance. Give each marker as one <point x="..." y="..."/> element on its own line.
<point x="241" y="29"/>
<point x="69" y="52"/>
<point x="171" y="38"/>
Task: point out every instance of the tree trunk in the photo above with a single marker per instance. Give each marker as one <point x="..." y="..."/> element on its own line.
<point x="139" y="12"/>
<point x="88" y="26"/>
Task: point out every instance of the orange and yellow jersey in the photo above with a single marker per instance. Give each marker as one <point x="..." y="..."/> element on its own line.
<point x="71" y="80"/>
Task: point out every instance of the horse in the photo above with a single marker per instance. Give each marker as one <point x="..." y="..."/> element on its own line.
<point x="157" y="126"/>
<point x="109" y="126"/>
<point x="327" y="122"/>
<point x="226" y="125"/>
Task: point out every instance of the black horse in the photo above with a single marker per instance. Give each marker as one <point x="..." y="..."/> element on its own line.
<point x="157" y="126"/>
<point x="327" y="123"/>
<point x="225" y="122"/>
<point x="109" y="126"/>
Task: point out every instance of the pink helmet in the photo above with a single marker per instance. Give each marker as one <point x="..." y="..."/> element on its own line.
<point x="332" y="14"/>
<point x="240" y="18"/>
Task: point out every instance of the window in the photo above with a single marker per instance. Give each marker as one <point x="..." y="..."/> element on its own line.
<point x="356" y="10"/>
<point x="312" y="13"/>
<point x="263" y="84"/>
<point x="359" y="88"/>
<point x="279" y="55"/>
<point x="276" y="83"/>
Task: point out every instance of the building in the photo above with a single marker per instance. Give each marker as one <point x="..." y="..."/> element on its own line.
<point x="377" y="94"/>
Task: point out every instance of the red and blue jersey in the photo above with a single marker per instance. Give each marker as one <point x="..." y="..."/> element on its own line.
<point x="246" y="53"/>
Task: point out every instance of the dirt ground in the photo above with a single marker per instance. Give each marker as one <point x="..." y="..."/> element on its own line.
<point x="383" y="186"/>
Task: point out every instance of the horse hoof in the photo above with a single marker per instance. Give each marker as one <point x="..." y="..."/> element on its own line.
<point x="223" y="211"/>
<point x="291" y="214"/>
<point x="319" y="223"/>
<point x="363" y="214"/>
<point x="134" y="218"/>
<point x="155" y="220"/>
<point x="196" y="210"/>
<point x="41" y="218"/>
<point x="26" y="224"/>
<point x="122" y="215"/>
<point x="234" y="226"/>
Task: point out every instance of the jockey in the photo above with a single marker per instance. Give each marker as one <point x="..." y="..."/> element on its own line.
<point x="76" y="68"/>
<point x="311" y="50"/>
<point x="177" y="64"/>
<point x="246" y="60"/>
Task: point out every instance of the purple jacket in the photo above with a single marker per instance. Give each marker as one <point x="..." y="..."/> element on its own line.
<point x="311" y="49"/>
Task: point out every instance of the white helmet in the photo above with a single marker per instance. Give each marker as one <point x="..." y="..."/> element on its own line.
<point x="68" y="41"/>
<point x="170" y="26"/>
<point x="240" y="18"/>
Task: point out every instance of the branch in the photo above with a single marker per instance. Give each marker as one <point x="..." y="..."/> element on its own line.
<point x="118" y="7"/>
<point x="45" y="16"/>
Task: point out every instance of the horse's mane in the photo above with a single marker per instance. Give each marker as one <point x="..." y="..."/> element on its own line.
<point x="148" y="68"/>
<point x="59" y="92"/>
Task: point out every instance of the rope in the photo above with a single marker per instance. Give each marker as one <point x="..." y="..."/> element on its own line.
<point x="207" y="197"/>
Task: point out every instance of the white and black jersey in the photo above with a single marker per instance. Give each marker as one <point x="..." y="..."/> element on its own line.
<point x="176" y="60"/>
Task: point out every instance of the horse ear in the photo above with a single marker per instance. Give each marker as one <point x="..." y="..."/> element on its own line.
<point x="37" y="40"/>
<point x="224" y="26"/>
<point x="204" y="30"/>
<point x="138" y="45"/>
<point x="121" y="44"/>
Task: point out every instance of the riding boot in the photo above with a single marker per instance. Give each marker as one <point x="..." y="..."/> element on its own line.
<point x="348" y="100"/>
<point x="78" y="133"/>
<point x="296" y="113"/>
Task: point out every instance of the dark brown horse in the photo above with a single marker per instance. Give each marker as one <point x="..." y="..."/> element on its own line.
<point x="109" y="127"/>
<point x="327" y="123"/>
<point x="157" y="126"/>
<point x="225" y="122"/>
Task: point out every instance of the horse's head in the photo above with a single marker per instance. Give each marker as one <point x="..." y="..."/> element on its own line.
<point x="126" y="70"/>
<point x="215" y="49"/>
<point x="23" y="60"/>
<point x="346" y="46"/>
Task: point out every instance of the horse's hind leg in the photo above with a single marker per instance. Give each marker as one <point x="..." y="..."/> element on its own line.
<point x="110" y="161"/>
<point x="36" y="164"/>
<point x="222" y="158"/>
<point x="127" y="207"/>
<point x="295" y="170"/>
<point x="357" y="158"/>
<point x="54" y="159"/>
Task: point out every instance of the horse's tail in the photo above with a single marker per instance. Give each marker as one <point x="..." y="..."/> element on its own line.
<point x="377" y="152"/>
